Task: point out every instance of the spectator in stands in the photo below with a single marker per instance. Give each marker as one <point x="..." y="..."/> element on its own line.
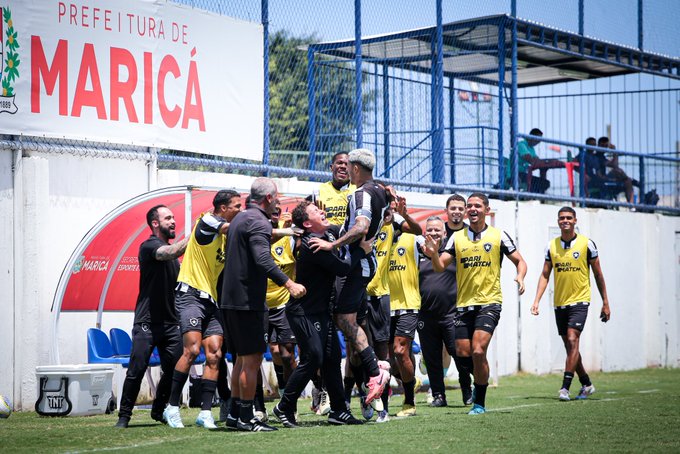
<point x="527" y="158"/>
<point x="598" y="180"/>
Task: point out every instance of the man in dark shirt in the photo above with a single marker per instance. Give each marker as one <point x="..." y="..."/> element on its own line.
<point x="155" y="323"/>
<point x="365" y="213"/>
<point x="309" y="316"/>
<point x="436" y="324"/>
<point x="248" y="265"/>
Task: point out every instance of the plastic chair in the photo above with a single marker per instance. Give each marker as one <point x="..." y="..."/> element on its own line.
<point x="343" y="347"/>
<point x="122" y="345"/>
<point x="415" y="348"/>
<point x="99" y="349"/>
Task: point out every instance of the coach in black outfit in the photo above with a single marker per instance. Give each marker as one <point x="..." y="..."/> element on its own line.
<point x="248" y="265"/>
<point x="436" y="319"/>
<point x="310" y="315"/>
<point x="155" y="323"/>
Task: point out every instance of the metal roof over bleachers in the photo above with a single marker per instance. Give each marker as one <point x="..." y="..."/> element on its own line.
<point x="471" y="47"/>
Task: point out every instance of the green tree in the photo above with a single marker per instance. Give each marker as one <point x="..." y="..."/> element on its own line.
<point x="289" y="107"/>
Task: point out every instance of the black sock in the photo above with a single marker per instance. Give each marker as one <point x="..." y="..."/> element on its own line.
<point x="369" y="361"/>
<point x="358" y="375"/>
<point x="409" y="392"/>
<point x="566" y="382"/>
<point x="279" y="376"/>
<point x="259" y="398"/>
<point x="464" y="367"/>
<point x="235" y="408"/>
<point x="222" y="382"/>
<point x="207" y="393"/>
<point x="246" y="411"/>
<point x="385" y="396"/>
<point x="480" y="394"/>
<point x="316" y="381"/>
<point x="349" y="386"/>
<point x="585" y="380"/>
<point x="178" y="381"/>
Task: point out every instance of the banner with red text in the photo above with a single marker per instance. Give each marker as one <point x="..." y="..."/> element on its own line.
<point x="140" y="72"/>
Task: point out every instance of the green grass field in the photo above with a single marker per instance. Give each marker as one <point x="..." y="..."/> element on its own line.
<point x="635" y="411"/>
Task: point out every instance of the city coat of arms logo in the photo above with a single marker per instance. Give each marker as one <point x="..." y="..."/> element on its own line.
<point x="9" y="62"/>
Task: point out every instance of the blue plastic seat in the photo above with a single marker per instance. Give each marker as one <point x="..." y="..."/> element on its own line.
<point x="343" y="348"/>
<point x="415" y="348"/>
<point x="99" y="349"/>
<point x="122" y="346"/>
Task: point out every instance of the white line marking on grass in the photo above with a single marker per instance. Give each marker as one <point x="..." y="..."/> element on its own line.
<point x="132" y="446"/>
<point x="550" y="403"/>
<point x="648" y="391"/>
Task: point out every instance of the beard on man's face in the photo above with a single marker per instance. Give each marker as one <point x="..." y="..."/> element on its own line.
<point x="166" y="231"/>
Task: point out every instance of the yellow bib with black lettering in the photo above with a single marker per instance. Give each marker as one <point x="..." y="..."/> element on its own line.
<point x="403" y="274"/>
<point x="202" y="264"/>
<point x="478" y="268"/>
<point x="282" y="252"/>
<point x="335" y="201"/>
<point x="379" y="285"/>
<point x="572" y="272"/>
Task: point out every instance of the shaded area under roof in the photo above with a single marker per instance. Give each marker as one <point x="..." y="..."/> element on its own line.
<point x="471" y="48"/>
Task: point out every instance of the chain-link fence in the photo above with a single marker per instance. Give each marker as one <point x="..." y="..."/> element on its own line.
<point x="455" y="129"/>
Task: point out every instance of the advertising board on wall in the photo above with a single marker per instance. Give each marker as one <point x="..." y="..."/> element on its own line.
<point x="139" y="72"/>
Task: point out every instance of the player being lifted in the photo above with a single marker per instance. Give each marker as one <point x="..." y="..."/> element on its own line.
<point x="478" y="251"/>
<point x="571" y="256"/>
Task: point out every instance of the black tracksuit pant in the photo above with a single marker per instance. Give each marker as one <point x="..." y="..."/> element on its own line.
<point x="168" y="339"/>
<point x="435" y="330"/>
<point x="319" y="349"/>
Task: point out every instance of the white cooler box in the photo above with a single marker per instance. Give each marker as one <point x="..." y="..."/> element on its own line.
<point x="74" y="390"/>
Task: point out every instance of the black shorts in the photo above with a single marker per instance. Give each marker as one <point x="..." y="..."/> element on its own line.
<point x="378" y="320"/>
<point x="472" y="318"/>
<point x="246" y="331"/>
<point x="198" y="314"/>
<point x="404" y="325"/>
<point x="279" y="330"/>
<point x="351" y="296"/>
<point x="573" y="316"/>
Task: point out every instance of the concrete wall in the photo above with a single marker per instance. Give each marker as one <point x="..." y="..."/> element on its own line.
<point x="49" y="202"/>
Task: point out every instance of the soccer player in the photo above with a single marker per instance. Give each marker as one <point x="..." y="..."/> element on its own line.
<point x="155" y="323"/>
<point x="365" y="212"/>
<point x="404" y="305"/>
<point x="436" y="319"/>
<point x="377" y="320"/>
<point x="281" y="337"/>
<point x="572" y="256"/>
<point x="333" y="194"/>
<point x="248" y="265"/>
<point x="309" y="316"/>
<point x="196" y="301"/>
<point x="478" y="251"/>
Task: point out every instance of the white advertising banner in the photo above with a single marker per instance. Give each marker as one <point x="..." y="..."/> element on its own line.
<point x="140" y="72"/>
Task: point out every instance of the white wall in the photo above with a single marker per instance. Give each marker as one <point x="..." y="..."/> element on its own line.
<point x="52" y="200"/>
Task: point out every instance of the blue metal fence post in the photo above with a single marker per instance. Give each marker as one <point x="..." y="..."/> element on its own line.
<point x="265" y="26"/>
<point x="580" y="17"/>
<point x="386" y="119"/>
<point x="501" y="95"/>
<point x="513" y="102"/>
<point x="358" y="120"/>
<point x="452" y="132"/>
<point x="311" y="95"/>
<point x="438" y="136"/>
<point x="640" y="25"/>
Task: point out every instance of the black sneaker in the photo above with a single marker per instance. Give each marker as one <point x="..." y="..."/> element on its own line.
<point x="157" y="415"/>
<point x="438" y="401"/>
<point x="468" y="397"/>
<point x="342" y="418"/>
<point x="254" y="425"/>
<point x="287" y="419"/>
<point x="232" y="423"/>
<point x="122" y="422"/>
